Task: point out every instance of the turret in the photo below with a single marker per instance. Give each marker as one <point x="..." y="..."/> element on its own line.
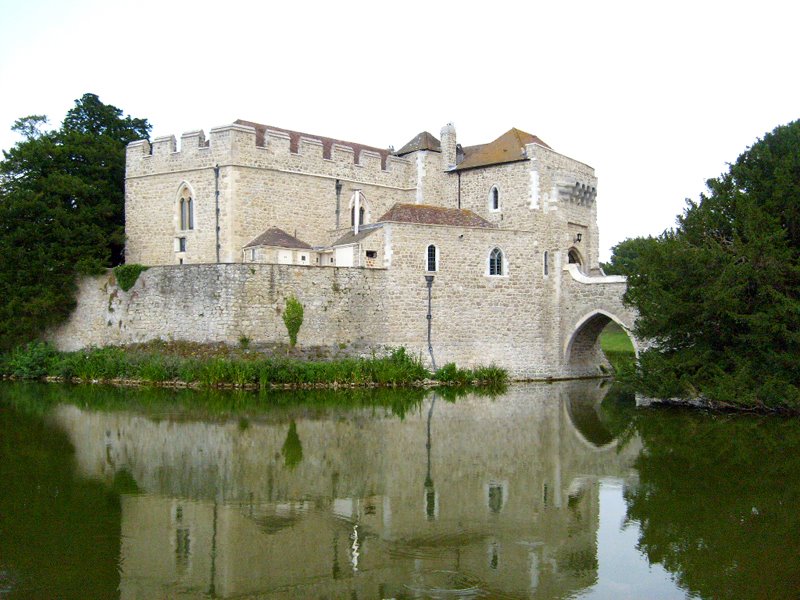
<point x="448" y="137"/>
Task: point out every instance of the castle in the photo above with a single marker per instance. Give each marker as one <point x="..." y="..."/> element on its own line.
<point x="472" y="254"/>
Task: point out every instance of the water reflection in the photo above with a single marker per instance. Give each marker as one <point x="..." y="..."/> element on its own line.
<point x="547" y="491"/>
<point x="499" y="494"/>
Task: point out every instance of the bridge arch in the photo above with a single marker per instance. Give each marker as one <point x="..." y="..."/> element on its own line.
<point x="582" y="351"/>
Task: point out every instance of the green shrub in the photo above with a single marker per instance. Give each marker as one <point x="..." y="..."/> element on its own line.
<point x="127" y="275"/>
<point x="293" y="318"/>
<point x="31" y="361"/>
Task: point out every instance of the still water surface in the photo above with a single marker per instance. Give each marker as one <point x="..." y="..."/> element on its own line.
<point x="545" y="491"/>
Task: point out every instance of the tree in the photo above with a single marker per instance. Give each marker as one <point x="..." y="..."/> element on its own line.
<point x="719" y="295"/>
<point x="625" y="255"/>
<point x="293" y="319"/>
<point x="61" y="212"/>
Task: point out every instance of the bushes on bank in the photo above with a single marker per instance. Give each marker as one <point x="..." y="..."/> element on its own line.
<point x="38" y="360"/>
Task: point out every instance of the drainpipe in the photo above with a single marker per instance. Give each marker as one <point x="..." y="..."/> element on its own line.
<point x="429" y="281"/>
<point x="338" y="200"/>
<point x="459" y="189"/>
<point x="216" y="201"/>
<point x="357" y="210"/>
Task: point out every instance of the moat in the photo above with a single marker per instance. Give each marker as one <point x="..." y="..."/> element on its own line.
<point x="545" y="491"/>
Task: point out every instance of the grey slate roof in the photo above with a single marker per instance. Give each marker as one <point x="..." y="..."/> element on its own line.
<point x="425" y="214"/>
<point x="279" y="238"/>
<point x="423" y="141"/>
<point x="363" y="232"/>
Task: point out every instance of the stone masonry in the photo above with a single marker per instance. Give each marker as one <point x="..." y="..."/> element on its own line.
<point x="537" y="310"/>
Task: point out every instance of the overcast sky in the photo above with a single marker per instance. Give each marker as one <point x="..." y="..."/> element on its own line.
<point x="657" y="97"/>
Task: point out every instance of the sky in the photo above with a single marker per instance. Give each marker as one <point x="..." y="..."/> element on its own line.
<point x="657" y="97"/>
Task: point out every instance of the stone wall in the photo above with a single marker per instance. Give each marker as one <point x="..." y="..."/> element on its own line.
<point x="524" y="320"/>
<point x="222" y="303"/>
<point x="259" y="187"/>
<point x="533" y="197"/>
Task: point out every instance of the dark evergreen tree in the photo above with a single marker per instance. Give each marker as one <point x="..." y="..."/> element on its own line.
<point x="720" y="294"/>
<point x="61" y="212"/>
<point x="625" y="255"/>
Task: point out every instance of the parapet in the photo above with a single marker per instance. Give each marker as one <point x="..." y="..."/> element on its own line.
<point x="259" y="146"/>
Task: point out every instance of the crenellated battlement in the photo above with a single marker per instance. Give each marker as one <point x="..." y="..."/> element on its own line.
<point x="258" y="146"/>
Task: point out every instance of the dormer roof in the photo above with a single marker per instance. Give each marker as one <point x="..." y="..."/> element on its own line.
<point x="509" y="147"/>
<point x="422" y="141"/>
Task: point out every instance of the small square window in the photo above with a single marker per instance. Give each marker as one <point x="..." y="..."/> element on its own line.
<point x="372" y="254"/>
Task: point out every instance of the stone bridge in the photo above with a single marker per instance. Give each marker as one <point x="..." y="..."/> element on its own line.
<point x="588" y="304"/>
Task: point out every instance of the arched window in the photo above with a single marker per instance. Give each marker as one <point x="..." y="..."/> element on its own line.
<point x="363" y="210"/>
<point x="494" y="198"/>
<point x="432" y="259"/>
<point x="183" y="213"/>
<point x="361" y="215"/>
<point x="496" y="262"/>
<point x="185" y="207"/>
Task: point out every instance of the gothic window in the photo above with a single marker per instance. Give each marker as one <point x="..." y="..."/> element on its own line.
<point x="185" y="208"/>
<point x="432" y="259"/>
<point x="361" y="215"/>
<point x="496" y="262"/>
<point x="494" y="198"/>
<point x="183" y="213"/>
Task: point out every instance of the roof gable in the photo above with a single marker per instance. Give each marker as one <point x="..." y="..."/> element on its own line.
<point x="425" y="214"/>
<point x="278" y="238"/>
<point x="351" y="238"/>
<point x="509" y="147"/>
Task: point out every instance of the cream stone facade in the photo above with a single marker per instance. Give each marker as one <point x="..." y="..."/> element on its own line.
<point x="234" y="224"/>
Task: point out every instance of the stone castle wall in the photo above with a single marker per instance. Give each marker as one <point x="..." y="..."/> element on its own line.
<point x="533" y="197"/>
<point x="521" y="321"/>
<point x="222" y="303"/>
<point x="259" y="187"/>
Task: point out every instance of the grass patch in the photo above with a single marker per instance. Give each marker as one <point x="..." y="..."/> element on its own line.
<point x="618" y="348"/>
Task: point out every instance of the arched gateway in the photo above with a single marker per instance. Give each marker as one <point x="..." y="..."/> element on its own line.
<point x="581" y="353"/>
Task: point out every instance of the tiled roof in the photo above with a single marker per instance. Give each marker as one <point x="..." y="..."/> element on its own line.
<point x="423" y="141"/>
<point x="327" y="143"/>
<point x="278" y="237"/>
<point x="351" y="238"/>
<point x="509" y="147"/>
<point x="433" y="215"/>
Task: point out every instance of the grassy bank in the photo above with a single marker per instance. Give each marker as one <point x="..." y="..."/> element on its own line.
<point x="218" y="366"/>
<point x="618" y="349"/>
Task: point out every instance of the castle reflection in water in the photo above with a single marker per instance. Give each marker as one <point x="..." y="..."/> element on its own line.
<point x="486" y="496"/>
